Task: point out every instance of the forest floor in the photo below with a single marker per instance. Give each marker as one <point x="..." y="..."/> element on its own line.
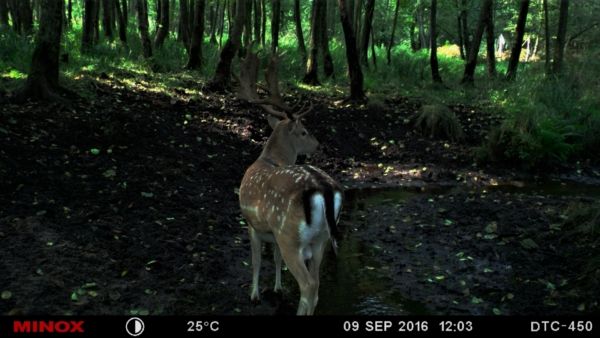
<point x="126" y="204"/>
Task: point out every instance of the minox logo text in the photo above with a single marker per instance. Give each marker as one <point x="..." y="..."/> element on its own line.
<point x="48" y="326"/>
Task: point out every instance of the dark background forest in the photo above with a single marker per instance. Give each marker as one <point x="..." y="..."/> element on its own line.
<point x="126" y="126"/>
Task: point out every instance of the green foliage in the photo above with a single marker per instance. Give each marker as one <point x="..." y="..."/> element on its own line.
<point x="530" y="139"/>
<point x="548" y="119"/>
<point x="439" y="121"/>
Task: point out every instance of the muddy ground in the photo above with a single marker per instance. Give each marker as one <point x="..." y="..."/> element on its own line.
<point x="126" y="204"/>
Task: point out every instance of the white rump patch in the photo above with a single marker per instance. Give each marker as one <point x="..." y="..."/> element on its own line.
<point x="309" y="232"/>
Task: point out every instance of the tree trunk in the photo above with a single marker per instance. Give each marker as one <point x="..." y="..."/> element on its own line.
<point x="433" y="60"/>
<point x="42" y="81"/>
<point x="311" y="76"/>
<point x="13" y="10"/>
<point x="263" y="27"/>
<point x="121" y="20"/>
<point x="125" y="13"/>
<point x="23" y="12"/>
<point x="257" y="16"/>
<point x="461" y="45"/>
<point x="195" y="57"/>
<point x="106" y="19"/>
<point x="391" y="44"/>
<point x="97" y="22"/>
<point x="324" y="41"/>
<point x="421" y="23"/>
<point x="515" y="52"/>
<point x="69" y="13"/>
<point x="366" y="32"/>
<point x="222" y="22"/>
<point x="465" y="26"/>
<point x="468" y="76"/>
<point x="184" y="26"/>
<point x="546" y="37"/>
<point x="357" y="21"/>
<point x="214" y="8"/>
<point x="299" y="33"/>
<point x="275" y="18"/>
<point x="247" y="33"/>
<point x="4" y="13"/>
<point x="142" y="9"/>
<point x="356" y="76"/>
<point x="491" y="50"/>
<point x="222" y="78"/>
<point x="373" y="53"/>
<point x="89" y="15"/>
<point x="163" y="26"/>
<point x="27" y="16"/>
<point x="560" y="36"/>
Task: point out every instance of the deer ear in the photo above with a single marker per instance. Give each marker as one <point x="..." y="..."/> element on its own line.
<point x="273" y="121"/>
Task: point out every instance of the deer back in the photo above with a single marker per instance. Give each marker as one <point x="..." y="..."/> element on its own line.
<point x="272" y="197"/>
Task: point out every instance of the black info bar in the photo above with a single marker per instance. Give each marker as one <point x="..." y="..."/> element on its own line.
<point x="336" y="326"/>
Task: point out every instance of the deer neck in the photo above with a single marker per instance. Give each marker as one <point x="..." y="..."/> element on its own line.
<point x="277" y="151"/>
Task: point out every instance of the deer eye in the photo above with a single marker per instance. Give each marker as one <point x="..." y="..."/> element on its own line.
<point x="304" y="133"/>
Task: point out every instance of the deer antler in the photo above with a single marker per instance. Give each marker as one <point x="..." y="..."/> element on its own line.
<point x="274" y="103"/>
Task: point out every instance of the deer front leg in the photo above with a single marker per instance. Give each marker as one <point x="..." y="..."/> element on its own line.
<point x="307" y="284"/>
<point x="256" y="245"/>
<point x="277" y="258"/>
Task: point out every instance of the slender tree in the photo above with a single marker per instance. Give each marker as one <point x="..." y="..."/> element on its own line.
<point x="299" y="33"/>
<point x="42" y="81"/>
<point x="459" y="34"/>
<point x="163" y="25"/>
<point x="107" y="6"/>
<point x="366" y="32"/>
<point x="263" y="24"/>
<point x="560" y="36"/>
<point x="257" y="15"/>
<point x="311" y="76"/>
<point x="473" y="52"/>
<point x="515" y="53"/>
<point x="121" y="18"/>
<point x="546" y="36"/>
<point x="222" y="77"/>
<point x="357" y="21"/>
<point x="142" y="11"/>
<point x="247" y="33"/>
<point x="4" y="13"/>
<point x="275" y="23"/>
<point x="195" y="55"/>
<point x="356" y="77"/>
<point x="26" y="16"/>
<point x="391" y="43"/>
<point x="433" y="60"/>
<point x="88" y="37"/>
<point x="184" y="19"/>
<point x="491" y="50"/>
<point x="324" y="42"/>
<point x="69" y="12"/>
<point x="464" y="5"/>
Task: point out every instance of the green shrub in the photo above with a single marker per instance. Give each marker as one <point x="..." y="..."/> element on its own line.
<point x="439" y="121"/>
<point x="529" y="139"/>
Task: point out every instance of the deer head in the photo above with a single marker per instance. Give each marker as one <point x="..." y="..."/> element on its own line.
<point x="288" y="140"/>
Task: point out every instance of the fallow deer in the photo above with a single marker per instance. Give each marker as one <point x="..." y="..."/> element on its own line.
<point x="296" y="207"/>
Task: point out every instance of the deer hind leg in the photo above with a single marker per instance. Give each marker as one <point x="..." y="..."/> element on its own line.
<point x="295" y="263"/>
<point x="313" y="269"/>
<point x="277" y="258"/>
<point x="256" y="245"/>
